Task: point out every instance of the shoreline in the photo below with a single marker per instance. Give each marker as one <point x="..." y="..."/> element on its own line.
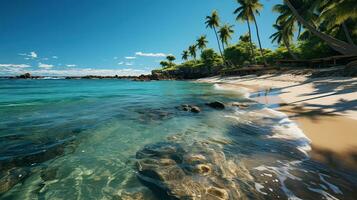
<point x="324" y="108"/>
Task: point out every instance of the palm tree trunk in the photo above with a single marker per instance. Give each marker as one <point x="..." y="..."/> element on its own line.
<point x="337" y="45"/>
<point x="219" y="45"/>
<point x="348" y="36"/>
<point x="251" y="43"/>
<point x="290" y="51"/>
<point x="260" y="45"/>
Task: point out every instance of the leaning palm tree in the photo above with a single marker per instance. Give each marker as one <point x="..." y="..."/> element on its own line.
<point x="192" y="50"/>
<point x="185" y="55"/>
<point x="225" y="34"/>
<point x="213" y="22"/>
<point x="284" y="35"/>
<point x="337" y="13"/>
<point x="285" y="15"/>
<point x="336" y="44"/>
<point x="202" y="42"/>
<point x="247" y="11"/>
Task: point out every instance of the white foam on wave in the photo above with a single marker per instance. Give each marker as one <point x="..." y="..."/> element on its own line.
<point x="287" y="129"/>
<point x="241" y="90"/>
<point x="282" y="173"/>
<point x="283" y="127"/>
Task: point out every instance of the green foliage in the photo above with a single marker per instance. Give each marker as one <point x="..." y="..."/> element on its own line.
<point x="170" y="58"/>
<point x="202" y="42"/>
<point x="240" y="53"/>
<point x="192" y="50"/>
<point x="225" y="33"/>
<point x="210" y="57"/>
<point x="185" y="55"/>
<point x="164" y="64"/>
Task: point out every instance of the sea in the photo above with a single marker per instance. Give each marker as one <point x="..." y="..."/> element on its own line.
<point x="121" y="139"/>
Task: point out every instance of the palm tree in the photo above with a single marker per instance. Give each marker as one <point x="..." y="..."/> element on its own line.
<point x="242" y="15"/>
<point x="185" y="55"/>
<point x="247" y="11"/>
<point x="336" y="13"/>
<point x="170" y="58"/>
<point x="225" y="33"/>
<point x="213" y="22"/>
<point x="284" y="34"/>
<point x="202" y="42"/>
<point x="336" y="44"/>
<point x="286" y="15"/>
<point x="192" y="50"/>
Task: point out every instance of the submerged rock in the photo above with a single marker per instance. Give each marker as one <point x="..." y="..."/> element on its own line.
<point x="216" y="105"/>
<point x="172" y="172"/>
<point x="189" y="108"/>
<point x="152" y="115"/>
<point x="12" y="177"/>
<point x="195" y="109"/>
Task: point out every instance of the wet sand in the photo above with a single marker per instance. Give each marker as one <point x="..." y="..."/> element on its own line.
<point x="324" y="108"/>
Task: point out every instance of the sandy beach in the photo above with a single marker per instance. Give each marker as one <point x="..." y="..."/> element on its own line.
<point x="324" y="108"/>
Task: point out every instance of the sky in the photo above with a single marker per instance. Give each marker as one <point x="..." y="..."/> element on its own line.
<point x="123" y="37"/>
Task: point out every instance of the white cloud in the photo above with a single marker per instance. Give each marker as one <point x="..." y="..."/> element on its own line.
<point x="150" y="54"/>
<point x="130" y="57"/>
<point x="71" y="65"/>
<point x="33" y="54"/>
<point x="44" y="66"/>
<point x="55" y="57"/>
<point x="15" y="65"/>
<point x="126" y="63"/>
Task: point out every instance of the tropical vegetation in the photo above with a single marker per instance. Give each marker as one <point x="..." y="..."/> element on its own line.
<point x="304" y="29"/>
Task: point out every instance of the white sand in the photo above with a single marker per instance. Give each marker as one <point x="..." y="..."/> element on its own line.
<point x="331" y="95"/>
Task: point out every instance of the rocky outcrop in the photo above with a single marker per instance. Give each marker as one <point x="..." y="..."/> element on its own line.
<point x="216" y="105"/>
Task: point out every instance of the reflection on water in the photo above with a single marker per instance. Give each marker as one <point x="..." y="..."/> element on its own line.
<point x="109" y="139"/>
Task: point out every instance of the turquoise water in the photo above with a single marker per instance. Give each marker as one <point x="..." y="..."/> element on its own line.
<point x="82" y="139"/>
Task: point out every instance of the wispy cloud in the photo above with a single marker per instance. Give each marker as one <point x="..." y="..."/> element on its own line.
<point x="130" y="57"/>
<point x="150" y="54"/>
<point x="31" y="55"/>
<point x="55" y="57"/>
<point x="76" y="72"/>
<point x="71" y="65"/>
<point x="13" y="69"/>
<point x="115" y="58"/>
<point x="14" y="65"/>
<point x="45" y="66"/>
<point x="126" y="63"/>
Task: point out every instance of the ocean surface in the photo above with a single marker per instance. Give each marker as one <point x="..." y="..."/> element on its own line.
<point x="119" y="139"/>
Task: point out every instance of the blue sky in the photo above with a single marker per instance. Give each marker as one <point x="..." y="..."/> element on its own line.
<point x="124" y="37"/>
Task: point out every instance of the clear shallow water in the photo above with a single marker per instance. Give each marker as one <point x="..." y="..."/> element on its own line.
<point x="82" y="139"/>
